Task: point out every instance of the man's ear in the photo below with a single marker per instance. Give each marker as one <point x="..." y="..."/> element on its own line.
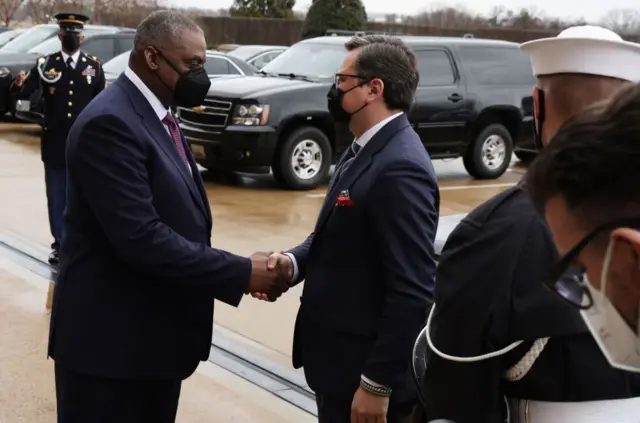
<point x="377" y="87"/>
<point x="630" y="237"/>
<point x="151" y="56"/>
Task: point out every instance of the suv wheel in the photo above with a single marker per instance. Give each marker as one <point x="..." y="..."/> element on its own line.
<point x="302" y="161"/>
<point x="489" y="155"/>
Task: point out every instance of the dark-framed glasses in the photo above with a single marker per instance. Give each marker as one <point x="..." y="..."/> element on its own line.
<point x="569" y="280"/>
<point x="340" y="77"/>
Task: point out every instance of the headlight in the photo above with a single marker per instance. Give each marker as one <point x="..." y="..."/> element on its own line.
<point x="251" y="114"/>
<point x="4" y="71"/>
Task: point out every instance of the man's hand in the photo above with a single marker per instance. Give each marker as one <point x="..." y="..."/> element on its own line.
<point x="369" y="408"/>
<point x="265" y="281"/>
<point x="283" y="266"/>
<point x="20" y="79"/>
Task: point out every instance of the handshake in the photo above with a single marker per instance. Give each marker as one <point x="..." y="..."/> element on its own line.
<point x="271" y="275"/>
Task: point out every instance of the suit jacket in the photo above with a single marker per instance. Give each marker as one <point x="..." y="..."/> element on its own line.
<point x="138" y="276"/>
<point x="63" y="100"/>
<point x="369" y="269"/>
<point x="490" y="294"/>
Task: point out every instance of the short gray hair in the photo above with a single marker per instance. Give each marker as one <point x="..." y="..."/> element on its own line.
<point x="391" y="60"/>
<point x="163" y="25"/>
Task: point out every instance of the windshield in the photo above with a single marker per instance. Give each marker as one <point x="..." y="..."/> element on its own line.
<point x="34" y="36"/>
<point x="246" y="52"/>
<point x="52" y="44"/>
<point x="118" y="64"/>
<point x="7" y="36"/>
<point x="313" y="60"/>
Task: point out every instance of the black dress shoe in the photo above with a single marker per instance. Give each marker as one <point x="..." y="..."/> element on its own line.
<point x="54" y="258"/>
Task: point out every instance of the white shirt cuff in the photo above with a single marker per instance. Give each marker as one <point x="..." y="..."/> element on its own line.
<point x="295" y="267"/>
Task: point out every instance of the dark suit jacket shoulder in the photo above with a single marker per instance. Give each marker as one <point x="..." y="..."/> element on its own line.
<point x="138" y="276"/>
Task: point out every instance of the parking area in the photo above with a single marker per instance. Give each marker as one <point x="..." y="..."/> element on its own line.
<point x="250" y="214"/>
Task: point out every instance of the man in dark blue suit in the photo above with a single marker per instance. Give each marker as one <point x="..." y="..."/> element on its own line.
<point x="369" y="264"/>
<point x="133" y="305"/>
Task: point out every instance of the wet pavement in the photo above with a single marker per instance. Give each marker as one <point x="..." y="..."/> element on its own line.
<point x="27" y="390"/>
<point x="250" y="214"/>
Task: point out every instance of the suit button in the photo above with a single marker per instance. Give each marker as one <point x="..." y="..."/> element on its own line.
<point x="68" y="115"/>
<point x="70" y="82"/>
<point x="70" y="104"/>
<point x="70" y="92"/>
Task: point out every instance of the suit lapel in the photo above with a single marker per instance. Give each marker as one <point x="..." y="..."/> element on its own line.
<point x="160" y="135"/>
<point x="361" y="163"/>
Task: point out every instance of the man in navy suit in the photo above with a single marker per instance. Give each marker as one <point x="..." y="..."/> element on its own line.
<point x="369" y="264"/>
<point x="133" y="305"/>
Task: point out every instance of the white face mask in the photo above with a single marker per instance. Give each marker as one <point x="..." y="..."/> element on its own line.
<point x="616" y="339"/>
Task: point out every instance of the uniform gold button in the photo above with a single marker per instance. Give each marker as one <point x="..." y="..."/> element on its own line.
<point x="70" y="104"/>
<point x="68" y="115"/>
<point x="70" y="92"/>
<point x="70" y="82"/>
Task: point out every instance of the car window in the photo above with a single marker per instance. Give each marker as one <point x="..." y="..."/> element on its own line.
<point x="263" y="59"/>
<point x="497" y="65"/>
<point x="125" y="43"/>
<point x="435" y="68"/>
<point x="217" y="66"/>
<point x="102" y="48"/>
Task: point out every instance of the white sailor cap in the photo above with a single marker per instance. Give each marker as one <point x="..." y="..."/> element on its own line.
<point x="587" y="50"/>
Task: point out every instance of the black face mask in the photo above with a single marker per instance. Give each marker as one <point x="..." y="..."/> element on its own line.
<point x="70" y="42"/>
<point x="334" y="102"/>
<point x="192" y="86"/>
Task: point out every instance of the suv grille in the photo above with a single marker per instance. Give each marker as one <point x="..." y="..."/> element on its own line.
<point x="213" y="114"/>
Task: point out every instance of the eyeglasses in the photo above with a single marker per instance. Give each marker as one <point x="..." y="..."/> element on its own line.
<point x="567" y="280"/>
<point x="342" y="76"/>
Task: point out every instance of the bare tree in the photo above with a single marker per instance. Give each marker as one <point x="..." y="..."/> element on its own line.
<point x="622" y="21"/>
<point x="8" y="8"/>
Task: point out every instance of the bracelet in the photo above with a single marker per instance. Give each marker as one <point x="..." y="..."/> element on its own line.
<point x="375" y="390"/>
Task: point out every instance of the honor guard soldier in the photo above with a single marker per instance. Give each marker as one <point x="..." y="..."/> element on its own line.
<point x="503" y="347"/>
<point x="69" y="80"/>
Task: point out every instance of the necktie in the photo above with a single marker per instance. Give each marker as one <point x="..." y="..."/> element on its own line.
<point x="345" y="163"/>
<point x="70" y="62"/>
<point x="175" y="135"/>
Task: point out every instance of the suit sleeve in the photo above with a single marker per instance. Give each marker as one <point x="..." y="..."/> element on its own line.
<point x="108" y="165"/>
<point x="29" y="86"/>
<point x="300" y="254"/>
<point x="403" y="210"/>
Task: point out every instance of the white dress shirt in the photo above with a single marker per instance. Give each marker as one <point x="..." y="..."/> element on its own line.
<point x="153" y="100"/>
<point x="362" y="141"/>
<point x="74" y="58"/>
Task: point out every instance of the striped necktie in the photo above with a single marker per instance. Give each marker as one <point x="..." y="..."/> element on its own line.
<point x="345" y="163"/>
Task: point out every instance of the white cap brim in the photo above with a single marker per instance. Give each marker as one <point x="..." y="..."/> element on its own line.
<point x="615" y="59"/>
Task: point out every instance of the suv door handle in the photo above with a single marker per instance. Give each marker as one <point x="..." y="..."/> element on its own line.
<point x="455" y="97"/>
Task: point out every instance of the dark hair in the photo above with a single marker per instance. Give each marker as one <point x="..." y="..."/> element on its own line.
<point x="391" y="60"/>
<point x="593" y="162"/>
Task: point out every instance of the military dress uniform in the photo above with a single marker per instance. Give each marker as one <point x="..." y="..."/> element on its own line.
<point x="503" y="347"/>
<point x="68" y="84"/>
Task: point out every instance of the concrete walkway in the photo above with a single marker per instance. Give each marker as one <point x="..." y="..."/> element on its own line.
<point x="27" y="392"/>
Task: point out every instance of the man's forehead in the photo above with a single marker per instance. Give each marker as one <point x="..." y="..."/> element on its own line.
<point x="349" y="62"/>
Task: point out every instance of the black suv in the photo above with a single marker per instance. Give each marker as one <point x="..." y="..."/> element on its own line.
<point x="104" y="46"/>
<point x="470" y="103"/>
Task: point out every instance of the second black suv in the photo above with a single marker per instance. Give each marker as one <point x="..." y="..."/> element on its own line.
<point x="469" y="104"/>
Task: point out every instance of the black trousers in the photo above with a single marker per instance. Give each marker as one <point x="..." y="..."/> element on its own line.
<point x="89" y="399"/>
<point x="335" y="410"/>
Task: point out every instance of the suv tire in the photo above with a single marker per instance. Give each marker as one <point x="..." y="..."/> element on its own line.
<point x="489" y="154"/>
<point x="302" y="161"/>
